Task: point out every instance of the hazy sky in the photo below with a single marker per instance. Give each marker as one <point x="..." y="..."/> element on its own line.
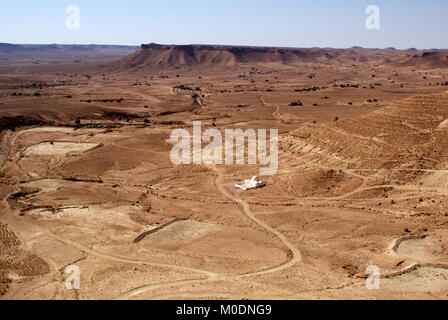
<point x="294" y="23"/>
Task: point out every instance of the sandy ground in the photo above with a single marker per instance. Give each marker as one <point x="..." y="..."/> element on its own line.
<point x="54" y="149"/>
<point x="360" y="183"/>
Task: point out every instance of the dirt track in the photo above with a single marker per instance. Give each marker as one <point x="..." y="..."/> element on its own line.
<point x="296" y="256"/>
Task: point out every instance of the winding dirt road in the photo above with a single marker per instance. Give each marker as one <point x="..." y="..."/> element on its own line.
<point x="294" y="252"/>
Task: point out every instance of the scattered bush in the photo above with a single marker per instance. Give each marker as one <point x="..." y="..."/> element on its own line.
<point x="310" y="89"/>
<point x="296" y="104"/>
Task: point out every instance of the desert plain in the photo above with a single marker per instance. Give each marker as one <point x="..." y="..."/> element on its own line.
<point x="86" y="177"/>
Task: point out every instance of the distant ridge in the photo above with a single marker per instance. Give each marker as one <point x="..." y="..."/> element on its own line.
<point x="8" y="47"/>
<point x="157" y="56"/>
<point x="15" y="52"/>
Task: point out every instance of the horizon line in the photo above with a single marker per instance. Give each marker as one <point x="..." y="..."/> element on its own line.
<point x="224" y="45"/>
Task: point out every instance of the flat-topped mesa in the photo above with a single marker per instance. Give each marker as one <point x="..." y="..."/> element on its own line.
<point x="153" y="55"/>
<point x="153" y="46"/>
<point x="220" y="47"/>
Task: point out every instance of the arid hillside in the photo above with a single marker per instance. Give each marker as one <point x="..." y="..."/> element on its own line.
<point x="435" y="58"/>
<point x="408" y="134"/>
<point x="399" y="153"/>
